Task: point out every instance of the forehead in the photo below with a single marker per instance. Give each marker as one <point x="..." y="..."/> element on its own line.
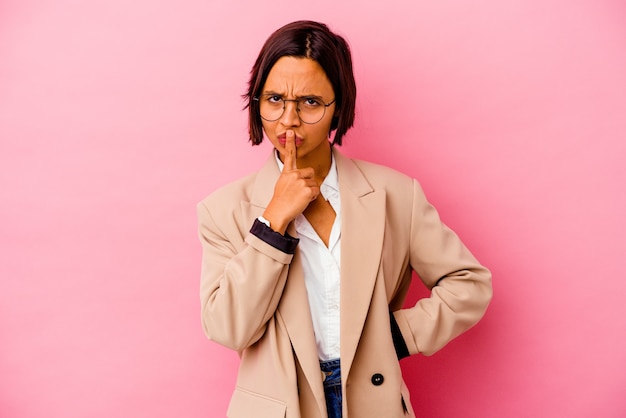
<point x="297" y="76"/>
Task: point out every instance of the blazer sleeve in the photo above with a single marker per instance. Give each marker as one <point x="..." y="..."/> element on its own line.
<point x="460" y="286"/>
<point x="242" y="280"/>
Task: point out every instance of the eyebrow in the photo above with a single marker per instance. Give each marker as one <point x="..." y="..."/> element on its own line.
<point x="304" y="96"/>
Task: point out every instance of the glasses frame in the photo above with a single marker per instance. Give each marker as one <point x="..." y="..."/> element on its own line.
<point x="296" y="101"/>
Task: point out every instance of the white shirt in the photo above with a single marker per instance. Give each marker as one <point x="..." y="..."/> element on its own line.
<point x="321" y="267"/>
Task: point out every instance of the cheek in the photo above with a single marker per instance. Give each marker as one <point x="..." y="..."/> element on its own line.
<point x="318" y="133"/>
<point x="268" y="128"/>
<point x="325" y="126"/>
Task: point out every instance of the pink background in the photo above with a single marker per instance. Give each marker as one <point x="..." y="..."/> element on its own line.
<point x="117" y="116"/>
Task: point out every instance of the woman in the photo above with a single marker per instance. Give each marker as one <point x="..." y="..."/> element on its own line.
<point x="307" y="262"/>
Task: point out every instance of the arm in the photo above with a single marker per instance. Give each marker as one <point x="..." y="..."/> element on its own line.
<point x="242" y="280"/>
<point x="243" y="277"/>
<point x="460" y="287"/>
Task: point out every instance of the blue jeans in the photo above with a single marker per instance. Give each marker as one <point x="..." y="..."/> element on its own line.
<point x="332" y="387"/>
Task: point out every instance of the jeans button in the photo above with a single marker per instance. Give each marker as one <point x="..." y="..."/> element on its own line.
<point x="377" y="379"/>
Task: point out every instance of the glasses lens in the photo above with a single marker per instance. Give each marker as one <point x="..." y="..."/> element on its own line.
<point x="310" y="110"/>
<point x="271" y="107"/>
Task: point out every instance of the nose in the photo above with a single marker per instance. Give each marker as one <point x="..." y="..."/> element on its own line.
<point x="290" y="115"/>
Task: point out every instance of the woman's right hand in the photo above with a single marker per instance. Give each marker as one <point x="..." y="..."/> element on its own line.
<point x="294" y="190"/>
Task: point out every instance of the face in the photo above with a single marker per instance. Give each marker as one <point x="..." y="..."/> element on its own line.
<point x="292" y="78"/>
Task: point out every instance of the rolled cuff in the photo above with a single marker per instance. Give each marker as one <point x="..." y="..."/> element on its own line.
<point x="285" y="243"/>
<point x="399" y="344"/>
<point x="404" y="329"/>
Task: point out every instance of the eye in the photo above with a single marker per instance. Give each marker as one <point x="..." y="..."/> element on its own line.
<point x="273" y="99"/>
<point x="310" y="102"/>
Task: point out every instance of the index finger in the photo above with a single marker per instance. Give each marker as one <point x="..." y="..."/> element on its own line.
<point x="290" y="151"/>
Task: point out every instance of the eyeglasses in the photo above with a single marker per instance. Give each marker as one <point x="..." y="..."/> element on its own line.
<point x="310" y="109"/>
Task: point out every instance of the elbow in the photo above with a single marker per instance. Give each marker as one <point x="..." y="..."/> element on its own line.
<point x="486" y="290"/>
<point x="471" y="295"/>
<point x="481" y="295"/>
<point x="226" y="332"/>
<point x="223" y="337"/>
<point x="479" y="299"/>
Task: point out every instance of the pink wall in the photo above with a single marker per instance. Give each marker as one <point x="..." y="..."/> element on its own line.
<point x="117" y="116"/>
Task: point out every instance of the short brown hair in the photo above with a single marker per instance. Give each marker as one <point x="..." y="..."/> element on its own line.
<point x="305" y="39"/>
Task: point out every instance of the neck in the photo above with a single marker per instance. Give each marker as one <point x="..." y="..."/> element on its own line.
<point x="319" y="161"/>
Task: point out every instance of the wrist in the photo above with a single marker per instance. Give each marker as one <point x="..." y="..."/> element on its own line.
<point x="265" y="221"/>
<point x="275" y="223"/>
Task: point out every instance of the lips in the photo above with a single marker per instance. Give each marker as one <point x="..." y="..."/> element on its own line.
<point x="282" y="140"/>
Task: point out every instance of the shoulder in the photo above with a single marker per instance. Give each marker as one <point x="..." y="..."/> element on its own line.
<point x="402" y="191"/>
<point x="383" y="177"/>
<point x="383" y="171"/>
<point x="231" y="194"/>
<point x="222" y="211"/>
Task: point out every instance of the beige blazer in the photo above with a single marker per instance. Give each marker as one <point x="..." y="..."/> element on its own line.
<point x="254" y="297"/>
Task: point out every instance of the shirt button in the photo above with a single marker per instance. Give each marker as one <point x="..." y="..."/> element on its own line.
<point x="377" y="379"/>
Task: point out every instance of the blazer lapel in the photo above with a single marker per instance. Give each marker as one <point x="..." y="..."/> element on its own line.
<point x="293" y="309"/>
<point x="363" y="226"/>
<point x="263" y="188"/>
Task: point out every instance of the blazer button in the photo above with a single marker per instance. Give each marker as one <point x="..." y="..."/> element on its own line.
<point x="377" y="379"/>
